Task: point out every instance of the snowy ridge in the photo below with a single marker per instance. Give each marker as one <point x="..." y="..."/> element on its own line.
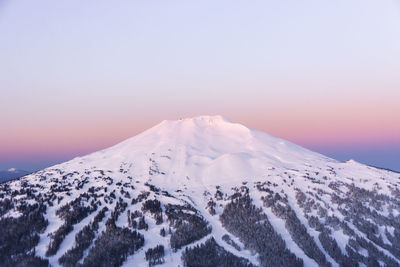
<point x="206" y="184"/>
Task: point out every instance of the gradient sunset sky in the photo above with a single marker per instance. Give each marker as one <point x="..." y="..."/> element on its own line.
<point x="78" y="76"/>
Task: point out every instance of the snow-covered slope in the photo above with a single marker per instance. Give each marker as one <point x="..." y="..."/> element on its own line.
<point x="205" y="191"/>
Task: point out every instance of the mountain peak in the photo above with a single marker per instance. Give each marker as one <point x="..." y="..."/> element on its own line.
<point x="189" y="131"/>
<point x="198" y="122"/>
<point x="205" y="118"/>
<point x="202" y="148"/>
<point x="219" y="188"/>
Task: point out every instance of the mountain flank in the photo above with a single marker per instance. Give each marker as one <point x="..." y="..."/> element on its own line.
<point x="202" y="191"/>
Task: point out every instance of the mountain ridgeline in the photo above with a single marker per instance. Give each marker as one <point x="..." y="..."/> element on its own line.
<point x="202" y="192"/>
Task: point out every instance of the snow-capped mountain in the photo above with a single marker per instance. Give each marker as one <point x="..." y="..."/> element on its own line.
<point x="202" y="191"/>
<point x="12" y="173"/>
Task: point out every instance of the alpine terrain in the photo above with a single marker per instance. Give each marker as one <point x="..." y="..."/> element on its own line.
<point x="202" y="191"/>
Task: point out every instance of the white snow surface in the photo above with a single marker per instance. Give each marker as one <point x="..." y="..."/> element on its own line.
<point x="206" y="150"/>
<point x="197" y="154"/>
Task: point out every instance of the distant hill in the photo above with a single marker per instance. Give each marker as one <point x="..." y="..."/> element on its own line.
<point x="12" y="174"/>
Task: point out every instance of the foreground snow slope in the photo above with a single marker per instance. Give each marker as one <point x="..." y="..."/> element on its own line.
<point x="263" y="200"/>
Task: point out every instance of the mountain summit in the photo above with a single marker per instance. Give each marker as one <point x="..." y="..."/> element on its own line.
<point x="202" y="191"/>
<point x="203" y="149"/>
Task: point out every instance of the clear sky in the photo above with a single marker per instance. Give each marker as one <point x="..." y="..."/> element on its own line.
<point x="78" y="76"/>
